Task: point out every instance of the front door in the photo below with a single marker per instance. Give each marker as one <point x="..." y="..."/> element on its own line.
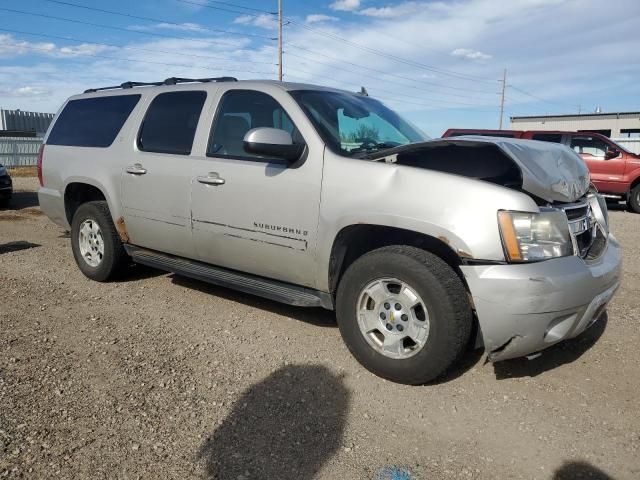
<point x="156" y="182"/>
<point x="606" y="174"/>
<point x="251" y="213"/>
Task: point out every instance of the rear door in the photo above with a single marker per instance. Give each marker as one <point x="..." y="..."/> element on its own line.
<point x="262" y="216"/>
<point x="156" y="179"/>
<point x="606" y="174"/>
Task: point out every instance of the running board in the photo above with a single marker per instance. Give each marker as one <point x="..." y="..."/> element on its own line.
<point x="244" y="282"/>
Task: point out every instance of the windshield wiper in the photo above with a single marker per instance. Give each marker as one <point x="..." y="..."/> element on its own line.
<point x="365" y="151"/>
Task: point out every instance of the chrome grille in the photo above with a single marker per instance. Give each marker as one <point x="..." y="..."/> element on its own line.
<point x="588" y="237"/>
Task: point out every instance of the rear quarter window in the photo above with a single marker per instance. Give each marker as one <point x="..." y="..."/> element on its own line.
<point x="92" y="122"/>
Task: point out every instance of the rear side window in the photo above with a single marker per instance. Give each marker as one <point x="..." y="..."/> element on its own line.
<point x="92" y="122"/>
<point x="547" y="137"/>
<point x="171" y="121"/>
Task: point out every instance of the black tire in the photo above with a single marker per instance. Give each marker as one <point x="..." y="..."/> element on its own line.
<point x="634" y="199"/>
<point x="446" y="301"/>
<point x="5" y="202"/>
<point x="115" y="258"/>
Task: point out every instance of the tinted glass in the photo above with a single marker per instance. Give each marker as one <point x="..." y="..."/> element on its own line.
<point x="170" y="123"/>
<point x="479" y="134"/>
<point x="548" y="137"/>
<point x="355" y="125"/>
<point x="92" y="122"/>
<point x="239" y="112"/>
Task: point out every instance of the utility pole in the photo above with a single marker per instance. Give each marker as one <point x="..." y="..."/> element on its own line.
<point x="504" y="86"/>
<point x="280" y="40"/>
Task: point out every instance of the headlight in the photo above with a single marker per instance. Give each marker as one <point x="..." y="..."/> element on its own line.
<point x="528" y="237"/>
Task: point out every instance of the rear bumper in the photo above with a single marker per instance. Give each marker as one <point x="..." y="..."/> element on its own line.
<point x="526" y="308"/>
<point x="52" y="205"/>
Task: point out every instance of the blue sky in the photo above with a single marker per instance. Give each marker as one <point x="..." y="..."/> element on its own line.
<point x="437" y="62"/>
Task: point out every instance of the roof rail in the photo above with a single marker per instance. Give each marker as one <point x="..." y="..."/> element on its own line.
<point x="168" y="81"/>
<point x="176" y="80"/>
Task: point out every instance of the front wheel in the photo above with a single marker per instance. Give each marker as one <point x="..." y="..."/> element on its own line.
<point x="634" y="199"/>
<point x="96" y="245"/>
<point x="404" y="314"/>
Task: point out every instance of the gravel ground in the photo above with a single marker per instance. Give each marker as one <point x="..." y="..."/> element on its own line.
<point x="163" y="377"/>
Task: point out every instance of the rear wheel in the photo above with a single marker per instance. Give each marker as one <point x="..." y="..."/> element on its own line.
<point x="96" y="245"/>
<point x="634" y="199"/>
<point x="404" y="314"/>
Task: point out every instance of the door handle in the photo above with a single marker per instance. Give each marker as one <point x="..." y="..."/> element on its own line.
<point x="136" y="169"/>
<point x="212" y="179"/>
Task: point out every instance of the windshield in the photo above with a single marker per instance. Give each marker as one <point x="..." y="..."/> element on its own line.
<point x="624" y="149"/>
<point x="355" y="125"/>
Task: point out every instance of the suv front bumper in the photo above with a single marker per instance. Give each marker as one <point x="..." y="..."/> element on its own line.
<point x="524" y="308"/>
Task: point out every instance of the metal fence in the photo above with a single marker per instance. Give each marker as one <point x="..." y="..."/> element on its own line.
<point x="19" y="152"/>
<point x="25" y="121"/>
<point x="632" y="144"/>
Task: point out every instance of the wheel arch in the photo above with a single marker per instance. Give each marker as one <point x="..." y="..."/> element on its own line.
<point x="78" y="192"/>
<point x="634" y="183"/>
<point x="355" y="240"/>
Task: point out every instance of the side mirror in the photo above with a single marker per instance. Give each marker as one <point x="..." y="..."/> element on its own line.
<point x="272" y="142"/>
<point x="611" y="153"/>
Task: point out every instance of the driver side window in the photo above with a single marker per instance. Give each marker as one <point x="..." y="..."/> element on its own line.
<point x="589" y="146"/>
<point x="240" y="111"/>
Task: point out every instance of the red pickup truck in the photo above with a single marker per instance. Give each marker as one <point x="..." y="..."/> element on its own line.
<point x="615" y="171"/>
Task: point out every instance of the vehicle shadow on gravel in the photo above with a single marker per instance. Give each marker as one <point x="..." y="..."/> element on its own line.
<point x="315" y="316"/>
<point x="574" y="470"/>
<point x="285" y="427"/>
<point x="553" y="357"/>
<point x="138" y="272"/>
<point x="20" y="200"/>
<point x="16" y="246"/>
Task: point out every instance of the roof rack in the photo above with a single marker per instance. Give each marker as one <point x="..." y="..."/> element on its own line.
<point x="168" y="81"/>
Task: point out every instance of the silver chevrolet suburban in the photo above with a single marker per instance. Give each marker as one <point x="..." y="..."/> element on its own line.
<point x="314" y="196"/>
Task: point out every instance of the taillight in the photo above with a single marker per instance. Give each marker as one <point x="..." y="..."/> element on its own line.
<point x="40" y="155"/>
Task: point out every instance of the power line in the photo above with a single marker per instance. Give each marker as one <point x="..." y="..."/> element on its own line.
<point x="385" y="33"/>
<point x="240" y="6"/>
<point x="387" y="97"/>
<point x="127" y="47"/>
<point x="504" y="86"/>
<point x="151" y="19"/>
<point x="564" y="105"/>
<point x="206" y="5"/>
<point x="46" y="50"/>
<point x="396" y="58"/>
<point x="280" y="40"/>
<point x="446" y="101"/>
<point x="112" y="27"/>
<point x="426" y="82"/>
<point x="411" y="99"/>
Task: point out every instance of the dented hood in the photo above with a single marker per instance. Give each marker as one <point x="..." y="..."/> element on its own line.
<point x="549" y="171"/>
